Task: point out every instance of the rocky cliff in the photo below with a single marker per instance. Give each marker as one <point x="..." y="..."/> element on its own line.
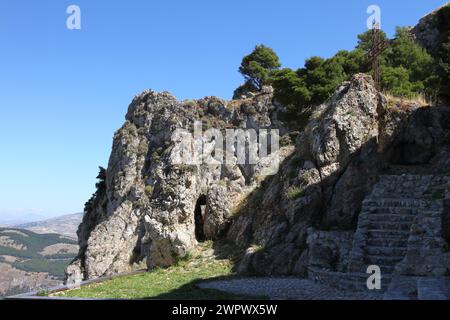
<point x="301" y="207"/>
<point x="155" y="209"/>
<point x="432" y="29"/>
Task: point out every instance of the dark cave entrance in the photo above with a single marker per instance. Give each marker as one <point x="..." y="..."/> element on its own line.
<point x="199" y="215"/>
<point x="410" y="154"/>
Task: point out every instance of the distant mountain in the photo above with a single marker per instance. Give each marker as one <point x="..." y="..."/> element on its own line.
<point x="31" y="261"/>
<point x="16" y="218"/>
<point x="66" y="225"/>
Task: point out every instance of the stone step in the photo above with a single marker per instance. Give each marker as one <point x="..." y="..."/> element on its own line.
<point x="404" y="176"/>
<point x="386" y="269"/>
<point x="402" y="288"/>
<point x="350" y="285"/>
<point x="386" y="251"/>
<point x="388" y="217"/>
<point x="385" y="234"/>
<point x="433" y="289"/>
<point x="362" y="276"/>
<point x="346" y="281"/>
<point x="405" y="184"/>
<point x="387" y="242"/>
<point x="383" y="225"/>
<point x="381" y="260"/>
<point x="392" y="193"/>
<point x="390" y="210"/>
<point x="396" y="202"/>
<point x="361" y="285"/>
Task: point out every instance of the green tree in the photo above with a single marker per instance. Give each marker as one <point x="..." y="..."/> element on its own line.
<point x="396" y="81"/>
<point x="407" y="53"/>
<point x="323" y="76"/>
<point x="100" y="190"/>
<point x="365" y="40"/>
<point x="101" y="177"/>
<point x="258" y="66"/>
<point x="352" y="61"/>
<point x="290" y="90"/>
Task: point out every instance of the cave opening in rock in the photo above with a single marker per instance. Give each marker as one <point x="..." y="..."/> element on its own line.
<point x="410" y="154"/>
<point x="199" y="215"/>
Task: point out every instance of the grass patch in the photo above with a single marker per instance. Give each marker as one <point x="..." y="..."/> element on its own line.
<point x="149" y="190"/>
<point x="294" y="193"/>
<point x="176" y="282"/>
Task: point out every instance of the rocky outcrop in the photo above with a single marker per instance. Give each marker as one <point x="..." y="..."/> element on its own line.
<point x="429" y="31"/>
<point x="322" y="183"/>
<point x="155" y="208"/>
<point x="153" y="205"/>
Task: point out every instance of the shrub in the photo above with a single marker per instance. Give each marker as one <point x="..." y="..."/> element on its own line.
<point x="190" y="103"/>
<point x="294" y="193"/>
<point x="143" y="148"/>
<point x="149" y="190"/>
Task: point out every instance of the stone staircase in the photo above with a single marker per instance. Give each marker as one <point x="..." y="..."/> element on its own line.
<point x="401" y="222"/>
<point x="384" y="227"/>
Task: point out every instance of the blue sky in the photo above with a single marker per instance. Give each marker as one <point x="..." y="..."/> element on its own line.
<point x="64" y="92"/>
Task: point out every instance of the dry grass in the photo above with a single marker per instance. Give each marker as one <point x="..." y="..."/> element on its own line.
<point x="407" y="104"/>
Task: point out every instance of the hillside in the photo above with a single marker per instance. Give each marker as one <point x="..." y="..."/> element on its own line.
<point x="30" y="261"/>
<point x="66" y="225"/>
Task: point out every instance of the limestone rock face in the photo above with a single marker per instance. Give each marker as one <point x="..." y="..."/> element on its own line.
<point x="323" y="182"/>
<point x="427" y="31"/>
<point x="154" y="208"/>
<point x="154" y="205"/>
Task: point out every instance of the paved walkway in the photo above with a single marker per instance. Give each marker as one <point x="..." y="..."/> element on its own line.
<point x="288" y="288"/>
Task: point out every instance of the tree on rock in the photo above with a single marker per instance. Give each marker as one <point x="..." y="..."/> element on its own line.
<point x="258" y="66"/>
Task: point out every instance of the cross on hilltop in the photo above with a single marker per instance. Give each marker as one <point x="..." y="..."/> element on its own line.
<point x="379" y="45"/>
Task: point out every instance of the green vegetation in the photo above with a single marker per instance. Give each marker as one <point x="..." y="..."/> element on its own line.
<point x="100" y="190"/>
<point x="143" y="148"/>
<point x="30" y="259"/>
<point x="176" y="282"/>
<point x="294" y="193"/>
<point x="34" y="243"/>
<point x="257" y="66"/>
<point x="149" y="190"/>
<point x="408" y="71"/>
<point x="54" y="267"/>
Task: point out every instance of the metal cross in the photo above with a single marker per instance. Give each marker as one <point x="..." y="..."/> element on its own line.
<point x="378" y="47"/>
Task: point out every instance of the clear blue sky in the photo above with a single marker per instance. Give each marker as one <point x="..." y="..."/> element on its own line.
<point x="63" y="93"/>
